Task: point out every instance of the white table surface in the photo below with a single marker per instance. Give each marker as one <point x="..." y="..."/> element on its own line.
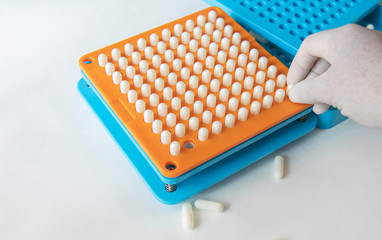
<point x="63" y="177"/>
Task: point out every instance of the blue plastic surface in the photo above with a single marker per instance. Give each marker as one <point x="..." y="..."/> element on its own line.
<point x="288" y="23"/>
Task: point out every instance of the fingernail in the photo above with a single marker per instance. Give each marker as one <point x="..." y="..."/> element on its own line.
<point x="289" y="88"/>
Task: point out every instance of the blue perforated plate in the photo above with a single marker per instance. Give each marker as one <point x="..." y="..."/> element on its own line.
<point x="287" y="23"/>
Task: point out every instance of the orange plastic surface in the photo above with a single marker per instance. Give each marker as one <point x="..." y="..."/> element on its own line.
<point x="174" y="166"/>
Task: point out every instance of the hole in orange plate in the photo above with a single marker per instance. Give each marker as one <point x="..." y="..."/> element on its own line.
<point x="189" y="145"/>
<point x="170" y="166"/>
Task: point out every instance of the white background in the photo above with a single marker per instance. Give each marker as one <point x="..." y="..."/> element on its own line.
<point x="63" y="177"/>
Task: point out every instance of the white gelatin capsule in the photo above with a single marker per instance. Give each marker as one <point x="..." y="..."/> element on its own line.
<point x="193" y="83"/>
<point x="220" y="110"/>
<point x="109" y="68"/>
<point x="244" y="46"/>
<point x="197" y="34"/>
<point x="143" y="66"/>
<point x="215" y="85"/>
<point x="202" y="91"/>
<point x="225" y="43"/>
<point x="242" y="115"/>
<point x="198" y="68"/>
<point x="253" y="55"/>
<point x="370" y="26"/>
<point x="124" y="86"/>
<point x="279" y="95"/>
<point x="162" y="109"/>
<point x="180" y="130"/>
<point x="213" y="49"/>
<point x="189" y="59"/>
<point x="145" y="90"/>
<point x="129" y="49"/>
<point x="209" y="205"/>
<point x="251" y="68"/>
<point x="165" y="137"/>
<point x="141" y="44"/>
<point x="224" y="95"/>
<point x="255" y="108"/>
<point x="203" y="134"/>
<point x="168" y="56"/>
<point x="248" y="83"/>
<point x="149" y="52"/>
<point x="230" y="65"/>
<point x="154" y="100"/>
<point x="136" y="57"/>
<point x="117" y="77"/>
<point x="227" y="79"/>
<point x="245" y="98"/>
<point x="211" y="100"/>
<point x="260" y="77"/>
<point x="236" y="89"/>
<point x="269" y="86"/>
<point x="206" y="76"/>
<point x="167" y="93"/>
<point x="164" y="69"/>
<point x="229" y="121"/>
<point x="228" y="30"/>
<point x="193" y="46"/>
<point x="242" y="60"/>
<point x="278" y="167"/>
<point x="184" y="113"/>
<point x="172" y="79"/>
<point x="233" y="103"/>
<point x="181" y="51"/>
<point x="166" y="34"/>
<point x="115" y="54"/>
<point x="216" y="127"/>
<point x="193" y="123"/>
<point x="258" y="92"/>
<point x="161" y="47"/>
<point x="217" y="36"/>
<point x="207" y="117"/>
<point x="102" y="60"/>
<point x="201" y="21"/>
<point x="220" y="23"/>
<point x="190" y="25"/>
<point x="212" y="15"/>
<point x="180" y="88"/>
<point x="140" y="106"/>
<point x="171" y="120"/>
<point x="281" y="80"/>
<point x="233" y="52"/>
<point x="198" y="107"/>
<point x="177" y="65"/>
<point x="185" y="73"/>
<point x="239" y="74"/>
<point x="272" y="71"/>
<point x="236" y="38"/>
<point x="178" y="29"/>
<point x="267" y="102"/>
<point x="205" y="41"/>
<point x="122" y="63"/>
<point x="175" y="150"/>
<point x="130" y="72"/>
<point x="132" y="96"/>
<point x="218" y="70"/>
<point x="185" y="37"/>
<point x="157" y="126"/>
<point x="148" y="116"/>
<point x="156" y="60"/>
<point x="138" y="81"/>
<point x="201" y="54"/>
<point x="222" y="57"/>
<point x="189" y="97"/>
<point x="175" y="103"/>
<point x="263" y="63"/>
<point x="153" y="39"/>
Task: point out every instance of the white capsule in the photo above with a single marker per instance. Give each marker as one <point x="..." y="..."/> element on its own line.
<point x="267" y="102"/>
<point x="193" y="123"/>
<point x="203" y="134"/>
<point x="180" y="88"/>
<point x="217" y="36"/>
<point x="181" y="51"/>
<point x="143" y="66"/>
<point x="229" y="120"/>
<point x="245" y="98"/>
<point x="248" y="83"/>
<point x="178" y="29"/>
<point x="124" y="86"/>
<point x="171" y="120"/>
<point x="224" y="95"/>
<point x="202" y="91"/>
<point x="279" y="95"/>
<point x="167" y="93"/>
<point x="222" y="57"/>
<point x="157" y="61"/>
<point x="172" y="79"/>
<point x="220" y="23"/>
<point x="141" y="44"/>
<point x="255" y="108"/>
<point x="198" y="107"/>
<point x="239" y="74"/>
<point x="165" y="137"/>
<point x="272" y="71"/>
<point x="258" y="92"/>
<point x="242" y="60"/>
<point x="281" y="80"/>
<point x="189" y="59"/>
<point x="154" y="100"/>
<point x="129" y="49"/>
<point x="220" y="110"/>
<point x="260" y="77"/>
<point x="210" y="62"/>
<point x="193" y="83"/>
<point x="236" y="38"/>
<point x="209" y="205"/>
<point x="161" y="47"/>
<point x="122" y="63"/>
<point x="177" y="65"/>
<point x="145" y="90"/>
<point x="162" y="109"/>
<point x="130" y="72"/>
<point x="253" y="55"/>
<point x="109" y="68"/>
<point x="189" y="25"/>
<point x="236" y="89"/>
<point x="211" y="101"/>
<point x="233" y="103"/>
<point x="168" y="56"/>
<point x="166" y="34"/>
<point x="164" y="69"/>
<point x="370" y="26"/>
<point x="269" y="86"/>
<point x="193" y="46"/>
<point x="215" y="85"/>
<point x="198" y="68"/>
<point x="251" y="68"/>
<point x="233" y="52"/>
<point x="263" y="63"/>
<point x="212" y="15"/>
<point x="157" y="126"/>
<point x="189" y="97"/>
<point x="244" y="46"/>
<point x="201" y="54"/>
<point x="115" y="54"/>
<point x="206" y="76"/>
<point x="185" y="73"/>
<point x="201" y="21"/>
<point x="138" y="81"/>
<point x="242" y="114"/>
<point x="208" y="28"/>
<point x="136" y="57"/>
<point x="228" y="30"/>
<point x="225" y="43"/>
<point x="149" y="52"/>
<point x="216" y="127"/>
<point x="175" y="103"/>
<point x="117" y="77"/>
<point x="197" y="33"/>
<point x="102" y="60"/>
<point x="154" y="39"/>
<point x="278" y="167"/>
<point x="185" y="37"/>
<point x="159" y="84"/>
<point x="140" y="106"/>
<point x="148" y="116"/>
<point x="230" y="65"/>
<point x="218" y="70"/>
<point x="151" y="75"/>
<point x="180" y="130"/>
<point x="184" y="113"/>
<point x="175" y="151"/>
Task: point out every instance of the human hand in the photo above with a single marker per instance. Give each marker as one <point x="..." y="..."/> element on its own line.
<point x="341" y="67"/>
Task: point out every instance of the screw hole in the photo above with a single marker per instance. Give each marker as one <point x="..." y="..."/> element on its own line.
<point x="170" y="166"/>
<point x="189" y="145"/>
